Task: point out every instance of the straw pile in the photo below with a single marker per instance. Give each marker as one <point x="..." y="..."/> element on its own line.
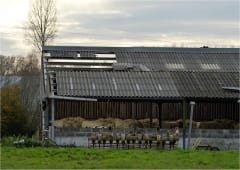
<point x="78" y="122"/>
<point x="98" y="123"/>
<point x="146" y="123"/>
<point x="70" y="122"/>
<point x="218" y="124"/>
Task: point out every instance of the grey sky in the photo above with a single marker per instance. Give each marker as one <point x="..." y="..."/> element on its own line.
<point x="132" y="23"/>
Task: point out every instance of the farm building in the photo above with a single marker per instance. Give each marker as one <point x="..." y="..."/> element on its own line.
<point x="139" y="83"/>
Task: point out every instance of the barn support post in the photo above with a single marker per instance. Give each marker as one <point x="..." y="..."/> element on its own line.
<point x="133" y="110"/>
<point x="184" y="123"/>
<point x="44" y="116"/>
<point x="160" y="115"/>
<point x="150" y="110"/>
<point x="192" y="103"/>
<point x="52" y="118"/>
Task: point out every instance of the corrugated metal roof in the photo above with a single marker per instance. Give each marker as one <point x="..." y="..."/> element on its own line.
<point x="146" y="84"/>
<point x="141" y="49"/>
<point x="209" y="85"/>
<point x="183" y="61"/>
<point x="159" y="59"/>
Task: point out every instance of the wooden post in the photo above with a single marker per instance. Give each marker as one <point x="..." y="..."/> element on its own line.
<point x="133" y="110"/>
<point x="150" y="110"/>
<point x="160" y="115"/>
<point x="52" y="117"/>
<point x="184" y="123"/>
<point x="192" y="103"/>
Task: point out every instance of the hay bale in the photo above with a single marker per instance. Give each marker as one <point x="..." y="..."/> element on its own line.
<point x="146" y="123"/>
<point x="155" y="123"/>
<point x="225" y="124"/>
<point x="118" y="123"/>
<point x="109" y="122"/>
<point x="73" y="122"/>
<point x="179" y="123"/>
<point x="58" y="123"/>
<point x="127" y="123"/>
<point x="98" y="123"/>
<point x="198" y="125"/>
<point x="131" y="123"/>
<point x="237" y="126"/>
<point x="90" y="124"/>
<point x="169" y="124"/>
<point x="218" y="124"/>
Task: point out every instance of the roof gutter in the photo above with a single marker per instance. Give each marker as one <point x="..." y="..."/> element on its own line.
<point x="72" y="98"/>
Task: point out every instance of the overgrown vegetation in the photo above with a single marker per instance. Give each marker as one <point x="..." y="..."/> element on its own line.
<point x="14" y="141"/>
<point x="19" y="99"/>
<point x="16" y="119"/>
<point x="69" y="158"/>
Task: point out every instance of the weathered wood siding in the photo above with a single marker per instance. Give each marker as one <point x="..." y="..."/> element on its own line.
<point x="141" y="110"/>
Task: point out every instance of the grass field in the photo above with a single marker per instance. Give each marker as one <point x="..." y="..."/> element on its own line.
<point x="69" y="158"/>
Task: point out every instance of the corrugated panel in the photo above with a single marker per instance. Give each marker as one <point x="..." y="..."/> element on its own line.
<point x="209" y="85"/>
<point x="141" y="49"/>
<point x="146" y="84"/>
<point x="157" y="58"/>
<point x="116" y="84"/>
<point x="182" y="61"/>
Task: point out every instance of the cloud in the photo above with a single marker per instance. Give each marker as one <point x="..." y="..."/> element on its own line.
<point x="12" y="44"/>
<point x="140" y="23"/>
<point x="152" y="22"/>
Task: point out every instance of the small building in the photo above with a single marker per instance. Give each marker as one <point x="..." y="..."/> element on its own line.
<point x="140" y="82"/>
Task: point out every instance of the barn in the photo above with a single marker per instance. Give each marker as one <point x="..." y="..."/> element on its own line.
<point x="139" y="82"/>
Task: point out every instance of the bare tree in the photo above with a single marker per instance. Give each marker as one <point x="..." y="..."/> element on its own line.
<point x="41" y="25"/>
<point x="7" y="65"/>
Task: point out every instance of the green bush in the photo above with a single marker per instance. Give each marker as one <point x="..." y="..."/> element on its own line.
<point x="15" y="117"/>
<point x="8" y="141"/>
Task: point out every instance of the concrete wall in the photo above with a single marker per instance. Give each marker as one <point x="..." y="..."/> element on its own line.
<point x="224" y="139"/>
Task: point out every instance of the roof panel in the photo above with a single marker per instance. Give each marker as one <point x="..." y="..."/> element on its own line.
<point x="146" y="84"/>
<point x="140" y="49"/>
<point x="158" y="58"/>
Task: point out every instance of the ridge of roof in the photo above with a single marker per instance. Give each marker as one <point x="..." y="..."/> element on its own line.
<point x="142" y="49"/>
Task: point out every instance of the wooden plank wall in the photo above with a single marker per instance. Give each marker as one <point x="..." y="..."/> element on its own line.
<point x="142" y="110"/>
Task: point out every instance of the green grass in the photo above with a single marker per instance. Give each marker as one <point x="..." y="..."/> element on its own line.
<point x="69" y="158"/>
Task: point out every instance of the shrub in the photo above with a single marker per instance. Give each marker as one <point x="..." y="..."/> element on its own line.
<point x="28" y="142"/>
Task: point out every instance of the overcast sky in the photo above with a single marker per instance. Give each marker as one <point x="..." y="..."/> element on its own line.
<point x="188" y="23"/>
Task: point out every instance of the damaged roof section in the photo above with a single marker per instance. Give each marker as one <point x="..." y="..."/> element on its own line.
<point x="143" y="58"/>
<point x="141" y="72"/>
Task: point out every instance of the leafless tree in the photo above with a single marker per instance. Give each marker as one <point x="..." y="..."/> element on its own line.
<point x="41" y="25"/>
<point x="7" y="65"/>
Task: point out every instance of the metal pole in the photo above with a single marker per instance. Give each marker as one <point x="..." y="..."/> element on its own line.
<point x="184" y="130"/>
<point x="52" y="120"/>
<point x="192" y="103"/>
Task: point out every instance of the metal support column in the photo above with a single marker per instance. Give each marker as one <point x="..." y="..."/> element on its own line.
<point x="190" y="123"/>
<point x="52" y="118"/>
<point x="184" y="123"/>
